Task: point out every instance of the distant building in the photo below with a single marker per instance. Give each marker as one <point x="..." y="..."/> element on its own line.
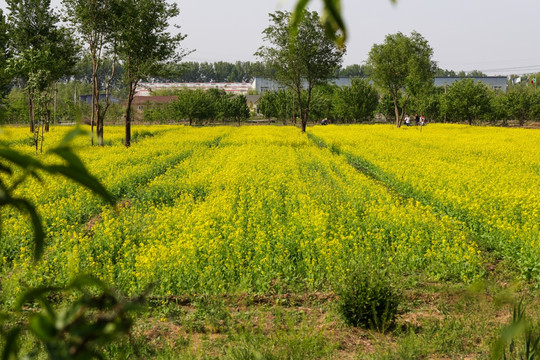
<point x="139" y="103"/>
<point x="88" y="99"/>
<point x="253" y="102"/>
<point x="263" y="84"/>
<point x="494" y="82"/>
<point x="145" y="89"/>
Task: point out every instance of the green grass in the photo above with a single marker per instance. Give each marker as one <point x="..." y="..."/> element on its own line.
<point x="435" y="321"/>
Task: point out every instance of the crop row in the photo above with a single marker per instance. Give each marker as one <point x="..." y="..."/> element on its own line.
<point x="66" y="208"/>
<point x="264" y="208"/>
<point x="485" y="177"/>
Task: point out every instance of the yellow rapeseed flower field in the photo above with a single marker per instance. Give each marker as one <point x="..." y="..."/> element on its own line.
<point x="227" y="209"/>
<point x="483" y="176"/>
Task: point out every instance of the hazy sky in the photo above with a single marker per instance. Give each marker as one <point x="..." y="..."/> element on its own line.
<point x="495" y="36"/>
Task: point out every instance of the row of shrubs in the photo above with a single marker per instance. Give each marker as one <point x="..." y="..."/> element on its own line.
<point x="463" y="101"/>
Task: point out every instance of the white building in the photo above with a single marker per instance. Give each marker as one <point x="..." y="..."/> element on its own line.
<point x="494" y="82"/>
<point x="145" y="89"/>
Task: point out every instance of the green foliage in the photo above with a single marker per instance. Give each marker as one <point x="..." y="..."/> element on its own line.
<point x="520" y="339"/>
<point x="357" y="102"/>
<point x="5" y="75"/>
<point x="79" y="329"/>
<point x="402" y="66"/>
<point x="98" y="24"/>
<point x="16" y="108"/>
<point x="43" y="50"/>
<point x="354" y="70"/>
<point x="159" y="114"/>
<point x="302" y="55"/>
<point x="235" y="108"/>
<point x="332" y="19"/>
<point x="194" y="105"/>
<point x="321" y="102"/>
<point x="220" y="71"/>
<point x="428" y="104"/>
<point x="200" y="105"/>
<point x="368" y="299"/>
<point x="499" y="108"/>
<point x="466" y="100"/>
<point x="84" y="325"/>
<point x="144" y="44"/>
<point x="386" y="106"/>
<point x="83" y="72"/>
<point x="210" y="316"/>
<point x="519" y="102"/>
<point x="278" y="104"/>
<point x="535" y="108"/>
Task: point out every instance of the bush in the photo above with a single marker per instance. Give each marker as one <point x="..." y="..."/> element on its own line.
<point x="367" y="299"/>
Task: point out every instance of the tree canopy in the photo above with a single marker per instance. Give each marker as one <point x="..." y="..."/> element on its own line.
<point x="402" y="66"/>
<point x="144" y="44"/>
<point x="301" y="58"/>
<point x="466" y="100"/>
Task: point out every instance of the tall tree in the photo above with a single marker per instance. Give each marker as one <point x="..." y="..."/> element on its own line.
<point x="520" y="102"/>
<point x="193" y="105"/>
<point x="403" y="67"/>
<point x="145" y="44"/>
<point x="302" y="58"/>
<point x="236" y="108"/>
<point x="95" y="22"/>
<point x="43" y="52"/>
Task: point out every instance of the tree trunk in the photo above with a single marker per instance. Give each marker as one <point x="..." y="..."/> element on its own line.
<point x="304" y="124"/>
<point x="396" y="110"/>
<point x="303" y="119"/>
<point x="31" y="112"/>
<point x="36" y="137"/>
<point x="127" y="141"/>
<point x="94" y="107"/>
<point x="95" y="53"/>
<point x="293" y="113"/>
<point x="99" y="126"/>
<point x="47" y="120"/>
<point x="41" y="145"/>
<point x="305" y="112"/>
<point x="55" y="105"/>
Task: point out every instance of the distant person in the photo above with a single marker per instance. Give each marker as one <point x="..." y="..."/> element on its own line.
<point x="324" y="121"/>
<point x="422" y="120"/>
<point x="416" y="120"/>
<point x="407" y="120"/>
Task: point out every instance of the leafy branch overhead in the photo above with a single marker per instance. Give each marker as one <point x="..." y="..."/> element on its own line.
<point x="331" y="19"/>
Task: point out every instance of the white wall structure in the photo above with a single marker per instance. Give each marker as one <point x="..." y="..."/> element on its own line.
<point x="263" y="84"/>
<point x="145" y="89"/>
<point x="494" y="82"/>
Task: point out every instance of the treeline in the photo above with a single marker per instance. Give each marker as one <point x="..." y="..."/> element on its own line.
<point x="451" y="73"/>
<point x="219" y="71"/>
<point x="359" y="102"/>
<point x="463" y="101"/>
<point x="198" y="106"/>
<point x="68" y="108"/>
<point x="191" y="71"/>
